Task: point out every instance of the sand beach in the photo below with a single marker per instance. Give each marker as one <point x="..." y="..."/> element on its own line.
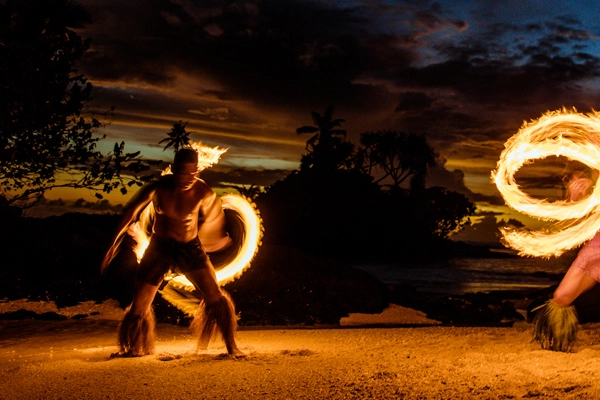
<point x="398" y="354"/>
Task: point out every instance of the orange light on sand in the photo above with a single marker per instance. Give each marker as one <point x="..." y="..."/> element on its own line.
<point x="248" y="214"/>
<point x="563" y="133"/>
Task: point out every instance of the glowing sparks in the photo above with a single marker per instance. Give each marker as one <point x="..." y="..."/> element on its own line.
<point x="251" y="222"/>
<point x="559" y="133"/>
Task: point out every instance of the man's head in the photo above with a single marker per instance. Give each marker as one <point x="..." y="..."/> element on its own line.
<point x="185" y="156"/>
<point x="185" y="167"/>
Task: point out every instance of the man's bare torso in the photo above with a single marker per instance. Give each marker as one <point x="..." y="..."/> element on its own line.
<point x="178" y="209"/>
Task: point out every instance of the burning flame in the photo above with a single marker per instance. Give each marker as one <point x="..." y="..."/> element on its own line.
<point x="247" y="211"/>
<point x="564" y="133"/>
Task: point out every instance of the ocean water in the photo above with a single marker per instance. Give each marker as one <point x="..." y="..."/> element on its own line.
<point x="472" y="275"/>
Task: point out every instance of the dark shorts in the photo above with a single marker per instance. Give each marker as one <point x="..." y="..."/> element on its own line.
<point x="163" y="255"/>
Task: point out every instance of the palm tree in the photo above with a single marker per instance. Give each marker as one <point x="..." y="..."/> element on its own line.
<point x="251" y="192"/>
<point x="398" y="156"/>
<point x="177" y="138"/>
<point x="327" y="147"/>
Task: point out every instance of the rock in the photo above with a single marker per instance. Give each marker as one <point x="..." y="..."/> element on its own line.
<point x="23" y="314"/>
<point x="473" y="309"/>
<point x="20" y="315"/>
<point x="50" y="316"/>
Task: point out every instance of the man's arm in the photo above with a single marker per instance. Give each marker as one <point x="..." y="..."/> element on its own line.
<point x="212" y="232"/>
<point x="130" y="214"/>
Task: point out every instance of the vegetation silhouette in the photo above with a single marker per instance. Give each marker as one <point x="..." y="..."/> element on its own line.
<point x="177" y="138"/>
<point x="397" y="156"/>
<point x="327" y="149"/>
<point x="339" y="202"/>
<point x="46" y="134"/>
<point x="249" y="191"/>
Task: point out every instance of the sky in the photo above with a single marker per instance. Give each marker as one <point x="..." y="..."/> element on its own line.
<point x="245" y="74"/>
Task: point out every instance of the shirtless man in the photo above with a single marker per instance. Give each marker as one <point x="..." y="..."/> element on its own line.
<point x="185" y="207"/>
<point x="555" y="323"/>
<point x="584" y="272"/>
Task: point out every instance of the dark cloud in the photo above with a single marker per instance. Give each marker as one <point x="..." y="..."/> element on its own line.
<point x="444" y="121"/>
<point x="414" y="101"/>
<point x="52" y="203"/>
<point x="98" y="206"/>
<point x="487" y="86"/>
<point x="419" y="66"/>
<point x="485" y="231"/>
<point x="303" y="53"/>
<point x="455" y="180"/>
<point x="242" y="176"/>
<point x="46" y="207"/>
<point x="274" y="51"/>
<point x="541" y="182"/>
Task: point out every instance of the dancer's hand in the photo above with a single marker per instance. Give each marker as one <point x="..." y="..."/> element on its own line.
<point x="578" y="188"/>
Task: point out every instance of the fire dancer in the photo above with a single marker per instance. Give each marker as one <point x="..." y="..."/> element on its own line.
<point x="183" y="204"/>
<point x="555" y="324"/>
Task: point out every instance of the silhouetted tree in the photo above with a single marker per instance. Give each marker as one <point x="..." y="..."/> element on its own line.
<point x="445" y="210"/>
<point x="396" y="156"/>
<point x="177" y="138"/>
<point x="325" y="214"/>
<point x="251" y="191"/>
<point x="332" y="205"/>
<point x="327" y="148"/>
<point x="45" y="142"/>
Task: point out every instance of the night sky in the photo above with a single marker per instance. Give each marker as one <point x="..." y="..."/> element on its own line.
<point x="246" y="74"/>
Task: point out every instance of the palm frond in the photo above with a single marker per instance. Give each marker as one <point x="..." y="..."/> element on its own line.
<point x="328" y="113"/>
<point x="306" y="129"/>
<point x="341" y="132"/>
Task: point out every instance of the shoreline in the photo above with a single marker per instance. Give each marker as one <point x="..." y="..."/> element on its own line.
<point x="406" y="306"/>
<point x="393" y="315"/>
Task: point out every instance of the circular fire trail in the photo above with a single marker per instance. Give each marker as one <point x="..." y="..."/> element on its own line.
<point x="559" y="133"/>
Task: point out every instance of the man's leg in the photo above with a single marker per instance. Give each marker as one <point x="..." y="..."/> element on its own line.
<point x="137" y="330"/>
<point x="575" y="282"/>
<point x="555" y="324"/>
<point x="217" y="311"/>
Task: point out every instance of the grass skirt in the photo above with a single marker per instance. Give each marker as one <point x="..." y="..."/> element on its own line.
<point x="555" y="327"/>
<point x="137" y="334"/>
